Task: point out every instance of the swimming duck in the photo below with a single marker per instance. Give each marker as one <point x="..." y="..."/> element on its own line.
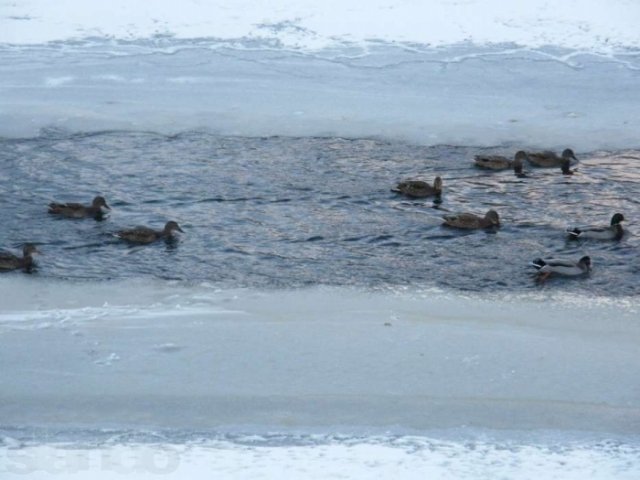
<point x="419" y="189"/>
<point x="550" y="159"/>
<point x="613" y="232"/>
<point x="77" y="210"/>
<point x="471" y="221"/>
<point x="8" y="261"/>
<point x="561" y="267"/>
<point x="498" y="162"/>
<point x="148" y="235"/>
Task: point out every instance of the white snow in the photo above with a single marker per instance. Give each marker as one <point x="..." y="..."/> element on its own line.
<point x="576" y="24"/>
<point x="380" y="457"/>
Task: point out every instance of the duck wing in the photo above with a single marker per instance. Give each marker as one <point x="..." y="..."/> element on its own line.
<point x="545" y="159"/>
<point x="138" y="235"/>
<point x="558" y="262"/>
<point x="9" y="261"/>
<point x="66" y="206"/>
<point x="73" y="210"/>
<point x="560" y="266"/>
<point x="545" y="154"/>
<point x="415" y="188"/>
<point x="596" y="232"/>
<point x="494" y="162"/>
<point x="463" y="220"/>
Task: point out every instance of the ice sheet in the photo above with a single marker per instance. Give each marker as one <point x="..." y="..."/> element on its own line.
<point x="175" y="357"/>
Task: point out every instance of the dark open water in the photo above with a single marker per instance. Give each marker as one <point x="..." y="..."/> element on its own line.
<point x="288" y="212"/>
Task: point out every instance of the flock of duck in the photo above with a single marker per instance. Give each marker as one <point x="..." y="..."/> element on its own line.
<point x="138" y="235"/>
<point x="410" y="188"/>
<point x="545" y="159"/>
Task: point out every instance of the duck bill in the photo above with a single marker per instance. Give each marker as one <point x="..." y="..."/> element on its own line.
<point x="179" y="229"/>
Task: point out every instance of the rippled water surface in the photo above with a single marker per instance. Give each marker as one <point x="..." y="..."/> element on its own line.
<point x="279" y="211"/>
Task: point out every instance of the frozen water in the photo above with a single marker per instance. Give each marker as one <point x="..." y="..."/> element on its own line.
<point x="475" y="73"/>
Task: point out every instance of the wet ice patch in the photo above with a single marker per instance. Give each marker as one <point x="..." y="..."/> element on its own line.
<point x="108" y="360"/>
<point x="58" y="81"/>
<point x="167" y="347"/>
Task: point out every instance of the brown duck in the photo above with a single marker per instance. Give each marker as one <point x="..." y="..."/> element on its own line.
<point x="419" y="189"/>
<point x="148" y="235"/>
<point x="77" y="210"/>
<point x="471" y="221"/>
<point x="551" y="159"/>
<point x="498" y="162"/>
<point x="8" y="261"/>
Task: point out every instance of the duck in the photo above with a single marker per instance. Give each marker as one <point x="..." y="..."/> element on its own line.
<point x="419" y="189"/>
<point x="561" y="267"/>
<point x="77" y="210"/>
<point x="498" y="162"/>
<point x="471" y="221"/>
<point x="9" y="261"/>
<point x="148" y="235"/>
<point x="612" y="232"/>
<point x="550" y="159"/>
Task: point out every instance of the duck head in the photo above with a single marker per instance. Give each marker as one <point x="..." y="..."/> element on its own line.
<point x="617" y="218"/>
<point x="29" y="249"/>
<point x="100" y="202"/>
<point x="171" y="226"/>
<point x="568" y="154"/>
<point x="585" y="262"/>
<point x="492" y="216"/>
<point x="521" y="156"/>
<point x="437" y="184"/>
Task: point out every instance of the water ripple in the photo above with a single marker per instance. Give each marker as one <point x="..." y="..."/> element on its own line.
<point x="279" y="211"/>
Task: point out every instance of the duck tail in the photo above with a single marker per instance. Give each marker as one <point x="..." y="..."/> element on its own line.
<point x="400" y="187"/>
<point x="538" y="263"/>
<point x="573" y="233"/>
